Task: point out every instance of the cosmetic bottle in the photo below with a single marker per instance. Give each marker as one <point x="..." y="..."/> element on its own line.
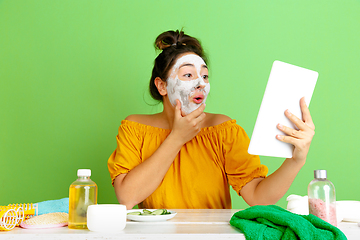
<point x="322" y="198"/>
<point x="82" y="193"/>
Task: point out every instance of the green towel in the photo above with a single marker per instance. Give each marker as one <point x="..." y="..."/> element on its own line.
<point x="273" y="222"/>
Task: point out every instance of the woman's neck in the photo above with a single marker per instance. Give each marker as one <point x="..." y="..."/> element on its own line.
<point x="168" y="113"/>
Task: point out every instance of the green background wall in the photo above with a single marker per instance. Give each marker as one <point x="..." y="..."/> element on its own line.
<point x="70" y="71"/>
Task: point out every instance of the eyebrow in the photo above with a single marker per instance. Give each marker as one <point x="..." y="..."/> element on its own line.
<point x="192" y="65"/>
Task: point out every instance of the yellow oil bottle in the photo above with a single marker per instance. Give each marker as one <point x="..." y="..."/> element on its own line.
<point x="82" y="193"/>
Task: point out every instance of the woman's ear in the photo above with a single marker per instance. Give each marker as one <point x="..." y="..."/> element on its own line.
<point x="161" y="86"/>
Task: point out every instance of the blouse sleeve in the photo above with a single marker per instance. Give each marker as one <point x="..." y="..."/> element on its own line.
<point x="240" y="166"/>
<point x="127" y="154"/>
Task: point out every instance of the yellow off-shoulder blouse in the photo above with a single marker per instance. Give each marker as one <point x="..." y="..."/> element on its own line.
<point x="201" y="173"/>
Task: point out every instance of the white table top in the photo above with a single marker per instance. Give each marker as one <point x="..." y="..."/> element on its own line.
<point x="188" y="223"/>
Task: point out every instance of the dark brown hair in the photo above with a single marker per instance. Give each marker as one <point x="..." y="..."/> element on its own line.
<point x="172" y="44"/>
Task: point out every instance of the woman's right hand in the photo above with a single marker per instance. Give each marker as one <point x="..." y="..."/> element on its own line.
<point x="187" y="127"/>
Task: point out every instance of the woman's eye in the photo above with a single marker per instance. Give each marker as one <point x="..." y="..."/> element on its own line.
<point x="205" y="77"/>
<point x="187" y="75"/>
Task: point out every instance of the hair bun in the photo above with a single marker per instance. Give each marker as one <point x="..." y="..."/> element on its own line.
<point x="175" y="38"/>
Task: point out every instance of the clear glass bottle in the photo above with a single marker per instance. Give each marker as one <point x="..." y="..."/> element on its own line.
<point x="82" y="193"/>
<point x="322" y="198"/>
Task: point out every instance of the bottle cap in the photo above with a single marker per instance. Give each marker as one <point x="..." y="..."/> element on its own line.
<point x="320" y="174"/>
<point x="84" y="172"/>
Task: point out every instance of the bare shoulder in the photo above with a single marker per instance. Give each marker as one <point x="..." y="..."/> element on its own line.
<point x="147" y="119"/>
<point x="139" y="118"/>
<point x="215" y="119"/>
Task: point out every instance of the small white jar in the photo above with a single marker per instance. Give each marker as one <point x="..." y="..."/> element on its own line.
<point x="106" y="218"/>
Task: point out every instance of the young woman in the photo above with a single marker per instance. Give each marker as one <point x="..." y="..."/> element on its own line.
<point x="183" y="157"/>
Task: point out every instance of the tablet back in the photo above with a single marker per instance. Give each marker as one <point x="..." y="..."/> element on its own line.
<point x="287" y="84"/>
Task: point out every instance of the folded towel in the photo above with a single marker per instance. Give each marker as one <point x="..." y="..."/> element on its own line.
<point x="298" y="204"/>
<point x="273" y="222"/>
<point x="52" y="206"/>
<point x="348" y="211"/>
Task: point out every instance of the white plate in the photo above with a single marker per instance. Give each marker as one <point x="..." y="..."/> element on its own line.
<point x="149" y="218"/>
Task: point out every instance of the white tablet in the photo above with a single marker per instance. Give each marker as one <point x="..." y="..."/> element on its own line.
<point x="287" y="84"/>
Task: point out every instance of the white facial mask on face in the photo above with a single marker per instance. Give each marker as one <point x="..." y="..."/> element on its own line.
<point x="184" y="90"/>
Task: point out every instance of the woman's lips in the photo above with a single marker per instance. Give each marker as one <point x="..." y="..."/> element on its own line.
<point x="198" y="98"/>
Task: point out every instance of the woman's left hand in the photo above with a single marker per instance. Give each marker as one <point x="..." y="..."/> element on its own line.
<point x="301" y="138"/>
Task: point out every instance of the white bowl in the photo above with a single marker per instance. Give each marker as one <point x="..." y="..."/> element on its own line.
<point x="106" y="218"/>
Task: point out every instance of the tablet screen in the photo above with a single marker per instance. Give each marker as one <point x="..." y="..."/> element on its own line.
<point x="287" y="84"/>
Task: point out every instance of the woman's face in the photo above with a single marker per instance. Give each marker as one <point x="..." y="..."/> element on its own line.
<point x="188" y="82"/>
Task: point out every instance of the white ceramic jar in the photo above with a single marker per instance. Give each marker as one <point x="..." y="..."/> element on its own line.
<point x="106" y="218"/>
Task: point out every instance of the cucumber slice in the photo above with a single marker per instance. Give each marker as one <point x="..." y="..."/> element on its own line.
<point x="145" y="211"/>
<point x="167" y="212"/>
<point x="148" y="212"/>
<point x="134" y="213"/>
<point x="159" y="212"/>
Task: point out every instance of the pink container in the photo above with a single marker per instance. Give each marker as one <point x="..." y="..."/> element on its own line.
<point x="322" y="199"/>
